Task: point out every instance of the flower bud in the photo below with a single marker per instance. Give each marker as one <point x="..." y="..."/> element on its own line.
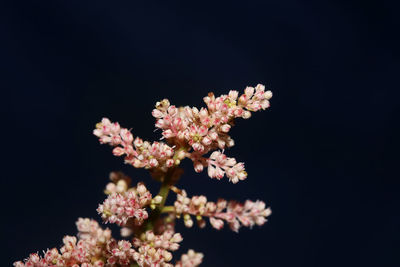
<point x="141" y="188"/>
<point x="216" y="223"/>
<point x="264" y="104"/>
<point x="150" y="235"/>
<point x="126" y="136"/>
<point x="268" y="95"/>
<point x="167" y="255"/>
<point x="153" y="163"/>
<point x="198" y="167"/>
<point x="189" y="223"/>
<point x="110" y="188"/>
<point x="260" y="87"/>
<point x="201" y="223"/>
<point x="125" y="232"/>
<point x="169" y="162"/>
<point x="172" y="110"/>
<point x="249" y="91"/>
<point x="225" y="128"/>
<point x="177" y="238"/>
<point x="157" y="114"/>
<point x="233" y="94"/>
<point x="157" y="199"/>
<point x="122" y="186"/>
<point x="246" y="114"/>
<point x="181" y="154"/>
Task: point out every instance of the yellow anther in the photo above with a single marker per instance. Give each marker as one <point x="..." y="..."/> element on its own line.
<point x="197" y="137"/>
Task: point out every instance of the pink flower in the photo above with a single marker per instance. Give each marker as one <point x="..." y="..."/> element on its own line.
<point x="197" y="137"/>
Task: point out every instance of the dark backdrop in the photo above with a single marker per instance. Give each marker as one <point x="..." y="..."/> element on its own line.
<point x="323" y="156"/>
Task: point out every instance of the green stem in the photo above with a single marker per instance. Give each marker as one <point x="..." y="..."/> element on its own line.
<point x="164" y="190"/>
<point x="167" y="209"/>
<point x="167" y="181"/>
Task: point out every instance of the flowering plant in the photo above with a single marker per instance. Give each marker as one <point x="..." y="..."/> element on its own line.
<point x="200" y="135"/>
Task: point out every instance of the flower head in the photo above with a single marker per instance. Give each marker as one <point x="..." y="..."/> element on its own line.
<point x="119" y="207"/>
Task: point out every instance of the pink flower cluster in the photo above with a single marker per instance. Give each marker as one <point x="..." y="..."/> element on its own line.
<point x="119" y="183"/>
<point x="168" y="240"/>
<point x="89" y="251"/>
<point x="234" y="213"/>
<point x="96" y="248"/>
<point x="119" y="207"/>
<point x="139" y="153"/>
<point x="198" y="134"/>
<point x="156" y="247"/>
<point x="207" y="129"/>
<point x="192" y="132"/>
<point x="122" y="253"/>
<point x="219" y="164"/>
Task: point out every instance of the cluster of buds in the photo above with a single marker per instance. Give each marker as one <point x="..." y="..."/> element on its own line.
<point x="168" y="240"/>
<point x="156" y="248"/>
<point x="139" y="153"/>
<point x="206" y="129"/>
<point x="234" y="213"/>
<point x="120" y="183"/>
<point x="90" y="231"/>
<point x="122" y="253"/>
<point x="87" y="251"/>
<point x="219" y="164"/>
<point x="150" y="256"/>
<point x="119" y="207"/>
<point x="189" y="259"/>
<point x="192" y="132"/>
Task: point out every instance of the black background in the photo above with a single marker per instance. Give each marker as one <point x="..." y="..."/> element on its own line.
<point x="324" y="156"/>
